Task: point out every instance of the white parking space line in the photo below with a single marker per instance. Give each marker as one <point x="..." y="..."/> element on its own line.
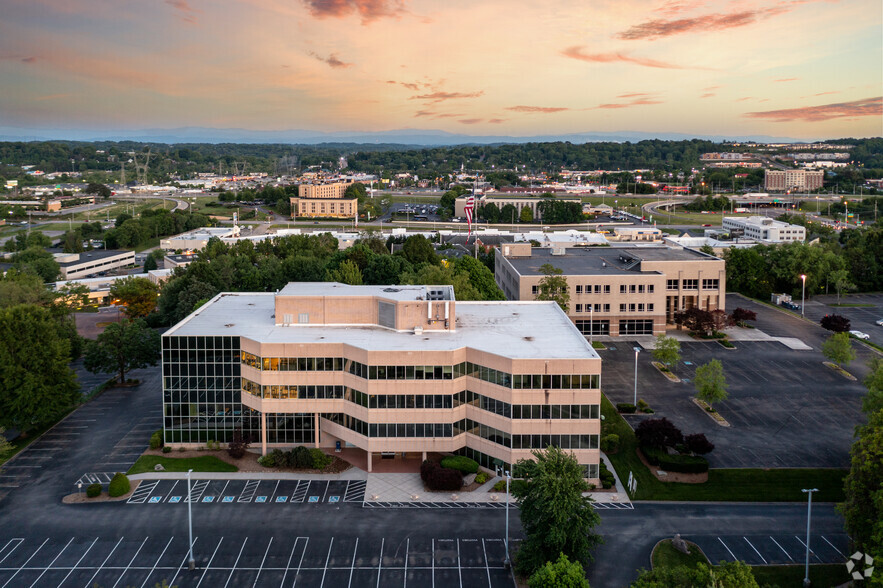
<point x="171" y="490"/>
<point x="209" y="565"/>
<point x="459" y="569"/>
<point x="248" y="492"/>
<point x="265" y="559"/>
<point x="140" y="547"/>
<point x="811" y="550"/>
<point x="301" y="562"/>
<point x="727" y="548"/>
<point x="327" y="559"/>
<point x="89" y="583"/>
<point x="20" y="541"/>
<point x="832" y="546"/>
<point x="407" y="550"/>
<point x="755" y="550"/>
<point x="353" y="565"/>
<point x="147" y="577"/>
<point x="221" y="493"/>
<point x="82" y="557"/>
<point x="782" y="548"/>
<point x="380" y="564"/>
<point x="25" y="564"/>
<point x="186" y="555"/>
<point x="46" y="569"/>
<point x="273" y="494"/>
<point x="235" y="563"/>
<point x="324" y="494"/>
<point x="487" y="564"/>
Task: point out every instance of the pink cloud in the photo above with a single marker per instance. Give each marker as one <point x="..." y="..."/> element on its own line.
<point x="424" y="113"/>
<point x="744" y="98"/>
<point x="866" y="107"/>
<point x="369" y="10"/>
<point x="185" y="12"/>
<point x="638" y="99"/>
<point x="332" y="61"/>
<point x="708" y="95"/>
<point x="496" y="121"/>
<point x="657" y="28"/>
<point x="537" y="109"/>
<point x="577" y="53"/>
<point x="470" y="121"/>
<point x="633" y="95"/>
<point x="29" y="60"/>
<point x="442" y="96"/>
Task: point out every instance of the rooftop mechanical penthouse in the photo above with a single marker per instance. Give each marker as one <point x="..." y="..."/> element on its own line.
<point x="385" y="369"/>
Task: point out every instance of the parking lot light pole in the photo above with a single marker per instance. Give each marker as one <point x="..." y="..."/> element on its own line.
<point x="802" y="294"/>
<point x="637" y="351"/>
<point x="508" y="476"/>
<point x="809" y="491"/>
<point x="191" y="562"/>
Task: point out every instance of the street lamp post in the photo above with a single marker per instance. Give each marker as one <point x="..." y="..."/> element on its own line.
<point x="191" y="562"/>
<point x="637" y="351"/>
<point x="802" y="294"/>
<point x="508" y="474"/>
<point x="809" y="491"/>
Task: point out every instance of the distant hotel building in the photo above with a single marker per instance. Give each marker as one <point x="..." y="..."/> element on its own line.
<point x="324" y="201"/>
<point x="793" y="179"/>
<point x="389" y="370"/>
<point x="617" y="290"/>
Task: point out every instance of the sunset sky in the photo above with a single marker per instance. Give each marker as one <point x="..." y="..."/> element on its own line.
<point x="798" y="68"/>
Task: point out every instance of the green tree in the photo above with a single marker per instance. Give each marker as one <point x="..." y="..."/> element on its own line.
<point x="707" y="249"/>
<point x="480" y="277"/>
<point x="138" y="295"/>
<point x="526" y="215"/>
<point x="5" y="446"/>
<point x="418" y="249"/>
<point x="490" y="212"/>
<point x="841" y="280"/>
<point x="556" y="517"/>
<point x="734" y="574"/>
<point x="710" y="382"/>
<point x="508" y="213"/>
<point x="863" y="508"/>
<point x="873" y="400"/>
<point x="37" y="261"/>
<point x="554" y="286"/>
<point x="667" y="350"/>
<point x="150" y="264"/>
<point x="37" y="385"/>
<point x="72" y="295"/>
<point x="346" y="273"/>
<point x="99" y="190"/>
<point x="559" y="574"/>
<point x="838" y="348"/>
<point x="385" y="269"/>
<point x="123" y="346"/>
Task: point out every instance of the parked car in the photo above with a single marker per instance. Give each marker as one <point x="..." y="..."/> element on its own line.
<point x="880" y="323"/>
<point x="859" y="335"/>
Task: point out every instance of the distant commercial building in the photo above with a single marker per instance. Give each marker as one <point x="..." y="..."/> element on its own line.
<point x="90" y="263"/>
<point x="196" y="239"/>
<point x="763" y="229"/>
<point x="324" y="201"/>
<point x="792" y="179"/>
<point x="397" y="371"/>
<point x="518" y="202"/>
<point x="178" y="260"/>
<point x="617" y="290"/>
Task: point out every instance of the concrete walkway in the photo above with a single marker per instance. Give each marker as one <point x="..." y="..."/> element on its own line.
<point x="735" y="334"/>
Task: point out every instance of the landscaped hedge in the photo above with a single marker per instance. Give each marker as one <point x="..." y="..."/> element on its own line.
<point x="461" y="463"/>
<point x="626" y="407"/>
<point x="610" y="443"/>
<point x="119" y="485"/>
<point x="300" y="457"/>
<point x="685" y="464"/>
<point x="156" y="440"/>
<point x="438" y="478"/>
<point x="607" y="478"/>
<point x="93" y="490"/>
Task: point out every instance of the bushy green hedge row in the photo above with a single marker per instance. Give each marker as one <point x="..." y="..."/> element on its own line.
<point x="685" y="464"/>
<point x="607" y="478"/>
<point x="156" y="440"/>
<point x="119" y="485"/>
<point x="303" y="458"/>
<point x="461" y="463"/>
<point x="626" y="407"/>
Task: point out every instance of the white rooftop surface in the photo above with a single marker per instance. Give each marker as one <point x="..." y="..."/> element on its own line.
<point x="520" y="330"/>
<point x="337" y="289"/>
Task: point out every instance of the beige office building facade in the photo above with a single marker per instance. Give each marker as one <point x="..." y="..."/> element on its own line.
<point x="398" y="370"/>
<point x="617" y="290"/>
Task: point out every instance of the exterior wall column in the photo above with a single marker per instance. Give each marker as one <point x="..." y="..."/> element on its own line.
<point x="263" y="433"/>
<point x="369" y="462"/>
<point x="316" y="425"/>
<point x="424" y="456"/>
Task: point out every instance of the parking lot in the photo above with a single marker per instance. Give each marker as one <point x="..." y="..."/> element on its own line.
<point x="862" y="318"/>
<point x="253" y="561"/>
<point x="258" y="492"/>
<point x="774" y="549"/>
<point x="786" y="409"/>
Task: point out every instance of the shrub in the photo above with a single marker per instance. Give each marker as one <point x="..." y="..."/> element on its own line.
<point x="320" y="459"/>
<point x="686" y="464"/>
<point x="608" y="480"/>
<point x="119" y="485"/>
<point x="461" y="463"/>
<point x="426" y="468"/>
<point x="166" y="449"/>
<point x="156" y="440"/>
<point x="302" y="457"/>
<point x="610" y="443"/>
<point x="444" y="479"/>
<point x="237" y="446"/>
<point x="642" y="405"/>
<point x="274" y="459"/>
<point x="835" y="322"/>
<point x="93" y="490"/>
<point x="266" y="461"/>
<point x="482" y="477"/>
<point x="500" y="486"/>
<point x="658" y="433"/>
<point x="740" y="315"/>
<point x="698" y="444"/>
<point x="626" y="407"/>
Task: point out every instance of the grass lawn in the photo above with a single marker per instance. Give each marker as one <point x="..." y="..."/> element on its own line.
<point x="205" y="463"/>
<point x="731" y="485"/>
<point x="665" y="555"/>
<point x="820" y="575"/>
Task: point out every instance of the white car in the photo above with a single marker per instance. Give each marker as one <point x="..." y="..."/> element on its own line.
<point x="880" y="322"/>
<point x="859" y="335"/>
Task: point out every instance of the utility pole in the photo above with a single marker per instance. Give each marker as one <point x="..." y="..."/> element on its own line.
<point x="809" y="491"/>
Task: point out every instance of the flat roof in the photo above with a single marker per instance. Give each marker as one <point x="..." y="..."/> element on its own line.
<point x="600" y="260"/>
<point x="87" y="256"/>
<point x="520" y="330"/>
<point x="392" y="292"/>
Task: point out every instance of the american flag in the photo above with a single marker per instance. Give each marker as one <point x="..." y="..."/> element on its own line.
<point x="470" y="206"/>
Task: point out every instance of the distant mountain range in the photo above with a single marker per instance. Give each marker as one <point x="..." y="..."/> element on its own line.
<point x="418" y="137"/>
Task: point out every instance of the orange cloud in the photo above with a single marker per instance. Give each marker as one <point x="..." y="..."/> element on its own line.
<point x="369" y="10"/>
<point x="638" y="99"/>
<point x="332" y="61"/>
<point x="866" y="107"/>
<point x="744" y="98"/>
<point x="654" y="29"/>
<point x="535" y="109"/>
<point x="496" y="121"/>
<point x="470" y="121"/>
<point x="441" y="96"/>
<point x="633" y="95"/>
<point x="577" y="53"/>
<point x="185" y="12"/>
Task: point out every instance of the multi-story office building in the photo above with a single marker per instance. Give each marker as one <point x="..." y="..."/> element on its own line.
<point x="388" y="370"/>
<point x="324" y="200"/>
<point x="617" y="290"/>
<point x="792" y="179"/>
<point x="764" y="229"/>
<point x="92" y="263"/>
